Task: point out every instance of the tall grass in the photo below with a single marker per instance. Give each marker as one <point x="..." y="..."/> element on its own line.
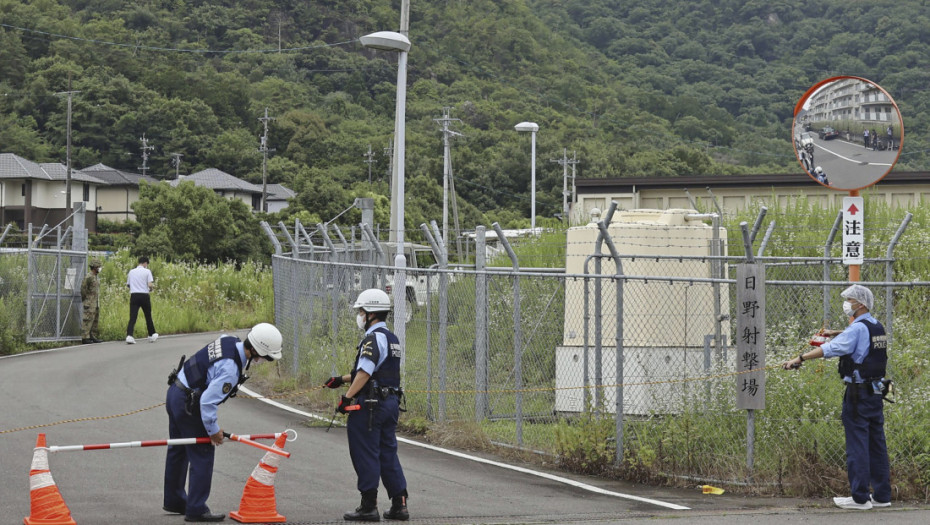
<point x="188" y="297"/>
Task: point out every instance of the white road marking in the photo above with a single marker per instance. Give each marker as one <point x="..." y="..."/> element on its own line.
<point x="552" y="477"/>
<point x="854" y="161"/>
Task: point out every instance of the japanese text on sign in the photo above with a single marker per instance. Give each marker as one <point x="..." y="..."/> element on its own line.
<point x="853" y="230"/>
<point x="750" y="341"/>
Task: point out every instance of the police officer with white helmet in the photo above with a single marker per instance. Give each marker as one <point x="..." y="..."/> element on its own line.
<point x="374" y="387"/>
<point x="197" y="388"/>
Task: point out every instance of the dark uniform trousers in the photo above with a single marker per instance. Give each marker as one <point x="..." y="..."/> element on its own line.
<point x="198" y="457"/>
<point x="374" y="452"/>
<point x="866" y="451"/>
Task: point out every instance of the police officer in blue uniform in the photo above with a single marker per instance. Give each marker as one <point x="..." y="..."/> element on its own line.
<point x="374" y="387"/>
<point x="863" y="358"/>
<point x="198" y="387"/>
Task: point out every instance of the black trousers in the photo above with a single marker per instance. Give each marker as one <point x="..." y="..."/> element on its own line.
<point x="136" y="301"/>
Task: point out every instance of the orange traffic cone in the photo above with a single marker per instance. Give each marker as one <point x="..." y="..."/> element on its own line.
<point x="258" y="502"/>
<point x="48" y="507"/>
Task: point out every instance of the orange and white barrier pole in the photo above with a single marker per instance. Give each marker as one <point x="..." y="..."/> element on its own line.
<point x="246" y="439"/>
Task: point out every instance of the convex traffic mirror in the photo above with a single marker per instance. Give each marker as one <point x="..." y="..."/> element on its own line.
<point x="847" y="133"/>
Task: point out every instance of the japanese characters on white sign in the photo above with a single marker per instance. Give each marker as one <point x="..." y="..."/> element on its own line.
<point x="853" y="230"/>
<point x="750" y="342"/>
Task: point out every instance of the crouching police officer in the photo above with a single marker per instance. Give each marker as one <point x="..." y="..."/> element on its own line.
<point x="374" y="386"/>
<point x="198" y="387"/>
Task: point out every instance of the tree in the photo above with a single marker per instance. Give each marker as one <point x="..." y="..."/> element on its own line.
<point x="193" y="223"/>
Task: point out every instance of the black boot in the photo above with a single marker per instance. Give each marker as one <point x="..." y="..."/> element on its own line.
<point x="367" y="510"/>
<point x="398" y="508"/>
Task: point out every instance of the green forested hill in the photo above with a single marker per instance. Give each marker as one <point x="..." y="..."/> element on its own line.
<point x="654" y="87"/>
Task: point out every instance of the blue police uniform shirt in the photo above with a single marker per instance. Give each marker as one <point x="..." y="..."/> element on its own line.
<point x="222" y="371"/>
<point x="853" y="340"/>
<point x="367" y="365"/>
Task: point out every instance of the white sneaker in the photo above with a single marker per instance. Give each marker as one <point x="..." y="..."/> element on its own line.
<point x="153" y="338"/>
<point x="879" y="503"/>
<point x="849" y="503"/>
<point x="130" y="340"/>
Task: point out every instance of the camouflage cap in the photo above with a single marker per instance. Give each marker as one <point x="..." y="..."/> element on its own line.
<point x="95" y="263"/>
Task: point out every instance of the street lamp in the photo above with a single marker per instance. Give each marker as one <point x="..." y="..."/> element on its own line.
<point x="532" y="127"/>
<point x="392" y="41"/>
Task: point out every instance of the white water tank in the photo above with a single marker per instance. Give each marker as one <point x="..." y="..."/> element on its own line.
<point x="666" y="323"/>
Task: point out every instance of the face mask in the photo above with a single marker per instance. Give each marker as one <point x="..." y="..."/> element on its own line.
<point x="848" y="309"/>
<point x="360" y="321"/>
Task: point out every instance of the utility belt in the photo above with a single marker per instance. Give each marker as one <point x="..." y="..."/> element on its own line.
<point x="880" y="386"/>
<point x="374" y="392"/>
<point x="383" y="392"/>
<point x="192" y="396"/>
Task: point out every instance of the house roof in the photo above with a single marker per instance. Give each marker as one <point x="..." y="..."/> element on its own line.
<point x="13" y="166"/>
<point x="279" y="192"/>
<point x="58" y="171"/>
<point x="115" y="177"/>
<point x="218" y="180"/>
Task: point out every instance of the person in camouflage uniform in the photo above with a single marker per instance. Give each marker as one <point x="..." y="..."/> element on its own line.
<point x="90" y="291"/>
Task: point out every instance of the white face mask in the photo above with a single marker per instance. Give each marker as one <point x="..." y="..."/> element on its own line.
<point x="360" y="321"/>
<point x="848" y="309"/>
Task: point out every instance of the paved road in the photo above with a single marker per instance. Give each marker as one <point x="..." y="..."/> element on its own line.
<point x="316" y="485"/>
<point x="850" y="166"/>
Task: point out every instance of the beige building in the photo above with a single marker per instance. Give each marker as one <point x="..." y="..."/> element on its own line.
<point x="32" y="193"/>
<point x="114" y="200"/>
<point x="735" y="193"/>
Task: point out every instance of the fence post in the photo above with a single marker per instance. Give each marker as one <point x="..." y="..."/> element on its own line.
<point x="765" y="239"/>
<point x="608" y="217"/>
<point x="827" y="247"/>
<point x="272" y="237"/>
<point x="481" y="329"/>
<point x="618" y="348"/>
<point x="517" y="333"/>
<point x="750" y="413"/>
<point x="889" y="276"/>
<point x="442" y="256"/>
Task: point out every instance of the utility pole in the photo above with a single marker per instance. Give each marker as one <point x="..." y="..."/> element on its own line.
<point x="145" y="154"/>
<point x="176" y="162"/>
<point x="446" y="168"/>
<point x="371" y="159"/>
<point x="571" y="208"/>
<point x="264" y="149"/>
<point x="70" y="93"/>
<point x="389" y="151"/>
<point x="565" y="162"/>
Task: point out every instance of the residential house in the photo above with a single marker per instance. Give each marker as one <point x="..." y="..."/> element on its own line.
<point x="278" y="195"/>
<point x="114" y="200"/>
<point x="226" y="185"/>
<point x="32" y="193"/>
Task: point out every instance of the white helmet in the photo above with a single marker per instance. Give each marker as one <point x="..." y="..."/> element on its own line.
<point x="266" y="341"/>
<point x="373" y="300"/>
<point x="818" y="170"/>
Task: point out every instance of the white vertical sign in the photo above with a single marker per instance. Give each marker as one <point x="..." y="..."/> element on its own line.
<point x="853" y="230"/>
<point x="750" y="344"/>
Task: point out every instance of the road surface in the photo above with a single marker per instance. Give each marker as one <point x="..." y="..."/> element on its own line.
<point x="316" y="484"/>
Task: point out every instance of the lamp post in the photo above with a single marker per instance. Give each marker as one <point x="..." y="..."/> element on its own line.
<point x="392" y="41"/>
<point x="532" y="127"/>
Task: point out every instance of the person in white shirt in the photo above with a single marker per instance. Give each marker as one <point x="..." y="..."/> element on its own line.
<point x="140" y="283"/>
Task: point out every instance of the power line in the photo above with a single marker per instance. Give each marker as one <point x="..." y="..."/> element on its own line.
<point x="175" y="49"/>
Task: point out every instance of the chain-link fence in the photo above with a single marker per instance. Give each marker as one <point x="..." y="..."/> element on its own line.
<point x="530" y="358"/>
<point x="40" y="287"/>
